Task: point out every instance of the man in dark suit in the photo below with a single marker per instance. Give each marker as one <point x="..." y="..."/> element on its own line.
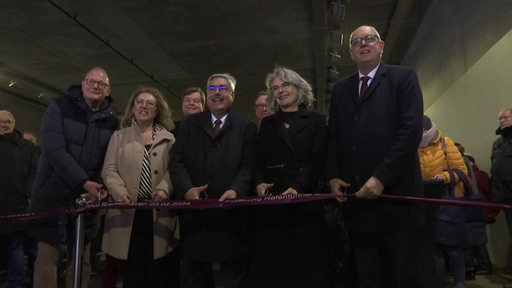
<point x="214" y="158"/>
<point x="373" y="141"/>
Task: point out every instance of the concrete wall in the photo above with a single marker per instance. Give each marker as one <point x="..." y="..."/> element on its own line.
<point x="463" y="55"/>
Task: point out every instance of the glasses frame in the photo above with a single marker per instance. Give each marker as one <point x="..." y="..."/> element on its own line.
<point x="284" y="85"/>
<point x="222" y="88"/>
<point x="92" y="82"/>
<point x="368" y="39"/>
<point x="261" y="106"/>
<point x="143" y="102"/>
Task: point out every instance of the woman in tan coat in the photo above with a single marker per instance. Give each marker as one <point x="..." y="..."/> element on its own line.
<point x="135" y="170"/>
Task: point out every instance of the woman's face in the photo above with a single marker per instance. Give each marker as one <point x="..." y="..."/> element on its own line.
<point x="144" y="108"/>
<point x="286" y="94"/>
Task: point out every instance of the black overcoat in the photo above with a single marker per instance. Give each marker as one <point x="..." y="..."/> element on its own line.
<point x="223" y="161"/>
<point x="378" y="136"/>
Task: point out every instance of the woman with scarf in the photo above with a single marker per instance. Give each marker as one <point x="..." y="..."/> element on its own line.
<point x="135" y="170"/>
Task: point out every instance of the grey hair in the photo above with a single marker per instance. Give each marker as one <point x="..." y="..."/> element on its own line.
<point x="304" y="91"/>
<point x="231" y="80"/>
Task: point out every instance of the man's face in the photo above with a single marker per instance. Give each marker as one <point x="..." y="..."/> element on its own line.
<point x="260" y="107"/>
<point x="219" y="97"/>
<point x="505" y="118"/>
<point x="366" y="49"/>
<point x="95" y="87"/>
<point x="6" y="123"/>
<point x="192" y="104"/>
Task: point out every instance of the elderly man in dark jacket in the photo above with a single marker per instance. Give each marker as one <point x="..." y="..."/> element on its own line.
<point x="19" y="163"/>
<point x="501" y="166"/>
<point x="75" y="132"/>
<point x="214" y="158"/>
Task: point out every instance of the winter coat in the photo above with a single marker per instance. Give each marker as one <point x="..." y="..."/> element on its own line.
<point x="501" y="166"/>
<point x="223" y="161"/>
<point x="122" y="174"/>
<point x="19" y="164"/>
<point x="74" y="139"/>
<point x="378" y="136"/>
<point x="434" y="160"/>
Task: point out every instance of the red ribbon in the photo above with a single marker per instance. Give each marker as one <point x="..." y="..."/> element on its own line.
<point x="241" y="202"/>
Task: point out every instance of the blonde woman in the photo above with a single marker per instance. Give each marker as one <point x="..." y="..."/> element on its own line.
<point x="135" y="170"/>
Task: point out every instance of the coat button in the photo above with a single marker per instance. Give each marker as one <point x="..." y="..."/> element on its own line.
<point x="155" y="154"/>
<point x="155" y="172"/>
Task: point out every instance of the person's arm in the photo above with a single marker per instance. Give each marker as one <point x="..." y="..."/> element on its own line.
<point x="454" y="161"/>
<point x="54" y="146"/>
<point x="110" y="173"/>
<point x="409" y="128"/>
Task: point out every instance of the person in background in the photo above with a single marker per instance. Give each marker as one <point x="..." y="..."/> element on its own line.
<point x="214" y="158"/>
<point x="501" y="166"/>
<point x="30" y="244"/>
<point x="289" y="159"/>
<point x="135" y="170"/>
<point x="75" y="132"/>
<point x="438" y="156"/>
<point x="193" y="102"/>
<point x="19" y="163"/>
<point x="261" y="109"/>
<point x="476" y="256"/>
<point x="373" y="140"/>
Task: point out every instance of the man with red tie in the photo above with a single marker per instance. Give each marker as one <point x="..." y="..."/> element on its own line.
<point x="374" y="134"/>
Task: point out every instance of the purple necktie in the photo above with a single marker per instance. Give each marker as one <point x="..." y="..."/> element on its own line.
<point x="364" y="86"/>
<point x="216" y="126"/>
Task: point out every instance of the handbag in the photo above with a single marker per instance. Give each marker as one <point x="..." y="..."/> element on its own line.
<point x="460" y="226"/>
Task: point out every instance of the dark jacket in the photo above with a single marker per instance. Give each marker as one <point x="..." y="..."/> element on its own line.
<point x="501" y="166"/>
<point x="291" y="158"/>
<point x="223" y="161"/>
<point x="378" y="136"/>
<point x="74" y="139"/>
<point x="19" y="163"/>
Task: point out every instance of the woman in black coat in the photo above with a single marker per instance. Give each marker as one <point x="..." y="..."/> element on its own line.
<point x="289" y="241"/>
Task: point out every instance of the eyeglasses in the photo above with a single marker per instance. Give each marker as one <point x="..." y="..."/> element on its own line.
<point x="283" y="86"/>
<point x="6" y="122"/>
<point x="100" y="84"/>
<point x="148" y="103"/>
<point x="222" y="88"/>
<point x="368" y="39"/>
<point x="261" y="106"/>
<point x="504" y="117"/>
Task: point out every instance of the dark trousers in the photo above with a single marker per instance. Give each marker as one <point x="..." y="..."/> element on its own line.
<point x="13" y="246"/>
<point x="140" y="269"/>
<point x="385" y="260"/>
<point x="198" y="274"/>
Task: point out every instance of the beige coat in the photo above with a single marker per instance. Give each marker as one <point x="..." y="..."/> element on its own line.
<point x="121" y="175"/>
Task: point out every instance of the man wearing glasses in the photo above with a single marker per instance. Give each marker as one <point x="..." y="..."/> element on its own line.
<point x="75" y="132"/>
<point x="375" y="127"/>
<point x="261" y="110"/>
<point x="214" y="158"/>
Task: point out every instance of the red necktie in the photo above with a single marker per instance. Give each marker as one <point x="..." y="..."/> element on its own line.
<point x="364" y="86"/>
<point x="216" y="126"/>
